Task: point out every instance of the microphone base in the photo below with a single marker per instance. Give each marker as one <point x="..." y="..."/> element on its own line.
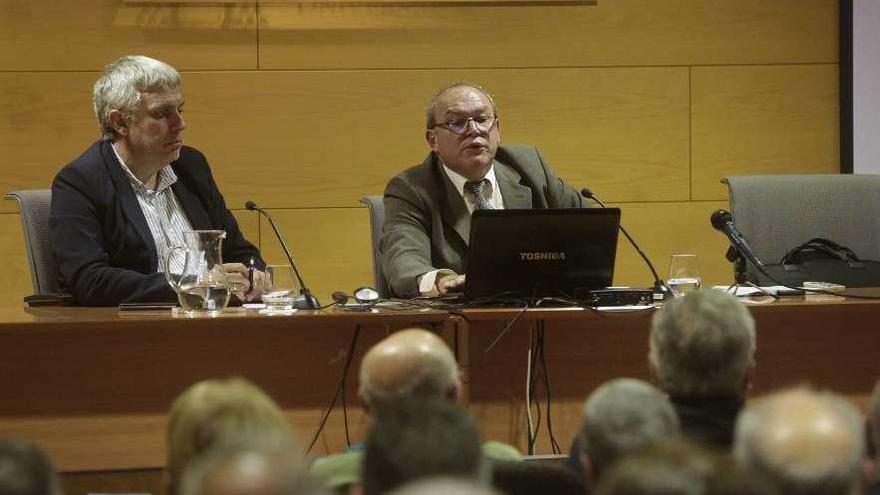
<point x="306" y="301"/>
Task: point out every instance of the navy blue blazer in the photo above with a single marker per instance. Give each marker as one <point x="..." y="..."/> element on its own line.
<point x="105" y="252"/>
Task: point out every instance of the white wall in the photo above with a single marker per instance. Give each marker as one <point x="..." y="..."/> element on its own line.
<point x="866" y="86"/>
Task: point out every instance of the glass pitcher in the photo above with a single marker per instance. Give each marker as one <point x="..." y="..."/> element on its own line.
<point x="201" y="285"/>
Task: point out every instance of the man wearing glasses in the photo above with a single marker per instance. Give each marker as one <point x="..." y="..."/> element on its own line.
<point x="428" y="207"/>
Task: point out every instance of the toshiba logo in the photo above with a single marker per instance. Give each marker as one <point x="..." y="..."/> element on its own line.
<point x="542" y="256"/>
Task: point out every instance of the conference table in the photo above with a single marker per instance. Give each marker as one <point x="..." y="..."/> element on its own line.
<point x="93" y="385"/>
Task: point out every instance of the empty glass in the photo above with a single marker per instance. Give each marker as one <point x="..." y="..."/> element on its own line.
<point x="281" y="287"/>
<point x="684" y="274"/>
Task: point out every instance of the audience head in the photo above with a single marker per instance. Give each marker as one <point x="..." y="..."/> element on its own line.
<point x="671" y="467"/>
<point x="463" y="128"/>
<point x="874" y="421"/>
<point x="621" y="417"/>
<point x="213" y="413"/>
<point x="802" y="442"/>
<point x="26" y="470"/>
<point x="703" y="345"/>
<point x="418" y="439"/>
<point x="412" y="363"/>
<point x="444" y="486"/>
<point x="251" y="468"/>
<point x="122" y="85"/>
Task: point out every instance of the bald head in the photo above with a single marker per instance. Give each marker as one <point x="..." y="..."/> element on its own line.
<point x="803" y="442"/>
<point x="433" y="486"/>
<point x="411" y="363"/>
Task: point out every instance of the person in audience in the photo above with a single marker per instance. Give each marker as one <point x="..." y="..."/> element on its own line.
<point x="409" y="364"/>
<point x="702" y="353"/>
<point x="622" y="416"/>
<point x="118" y="208"/>
<point x="444" y="486"/>
<point x="428" y="207"/>
<point x="212" y="413"/>
<point x="26" y="470"/>
<point x="679" y="467"/>
<point x="250" y="467"/>
<point x="535" y="477"/>
<point x="414" y="439"/>
<point x="803" y="442"/>
<point x="873" y="437"/>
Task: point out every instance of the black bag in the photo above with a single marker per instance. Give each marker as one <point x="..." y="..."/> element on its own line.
<point x="821" y="260"/>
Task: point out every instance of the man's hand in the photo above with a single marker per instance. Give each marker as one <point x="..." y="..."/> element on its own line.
<point x="237" y="276"/>
<point x="450" y="283"/>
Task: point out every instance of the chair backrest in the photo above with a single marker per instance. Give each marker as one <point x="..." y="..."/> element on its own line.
<point x="778" y="212"/>
<point x="33" y="205"/>
<point x="376" y="204"/>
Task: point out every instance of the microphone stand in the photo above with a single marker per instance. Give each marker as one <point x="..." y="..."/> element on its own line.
<point x="660" y="286"/>
<point x="308" y="300"/>
<point x="739" y="273"/>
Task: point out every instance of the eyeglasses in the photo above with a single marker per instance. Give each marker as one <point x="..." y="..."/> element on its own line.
<point x="483" y="123"/>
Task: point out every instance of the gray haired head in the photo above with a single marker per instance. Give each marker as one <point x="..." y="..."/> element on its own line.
<point x="122" y="83"/>
<point x="623" y="416"/>
<point x="703" y="345"/>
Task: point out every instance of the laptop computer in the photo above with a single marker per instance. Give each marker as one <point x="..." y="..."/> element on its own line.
<point x="541" y="252"/>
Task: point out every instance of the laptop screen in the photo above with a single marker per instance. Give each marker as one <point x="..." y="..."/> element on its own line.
<point x="541" y="252"/>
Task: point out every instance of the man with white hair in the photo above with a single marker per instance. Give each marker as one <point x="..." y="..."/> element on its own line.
<point x="803" y="442"/>
<point x="118" y="208"/>
<point x="702" y="352"/>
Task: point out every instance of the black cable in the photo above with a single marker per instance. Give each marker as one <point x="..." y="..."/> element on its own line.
<point x="505" y="329"/>
<point x="554" y="445"/>
<point x="339" y="387"/>
<point x="345" y="410"/>
<point x="534" y="369"/>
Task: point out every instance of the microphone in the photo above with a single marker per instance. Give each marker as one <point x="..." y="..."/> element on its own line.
<point x="659" y="284"/>
<point x="309" y="301"/>
<point x="723" y="221"/>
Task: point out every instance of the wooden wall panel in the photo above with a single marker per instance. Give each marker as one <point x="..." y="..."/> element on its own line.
<point x="86" y="35"/>
<point x="17" y="281"/>
<point x="614" y="33"/>
<point x="622" y="131"/>
<point x="331" y="246"/>
<point x="664" y="229"/>
<point x="760" y="120"/>
<point x="46" y="120"/>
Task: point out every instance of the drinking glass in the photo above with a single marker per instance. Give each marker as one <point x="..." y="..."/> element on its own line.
<point x="684" y="274"/>
<point x="281" y="287"/>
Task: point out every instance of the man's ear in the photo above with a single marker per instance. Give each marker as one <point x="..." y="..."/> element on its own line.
<point x="117" y="120"/>
<point x="431" y="138"/>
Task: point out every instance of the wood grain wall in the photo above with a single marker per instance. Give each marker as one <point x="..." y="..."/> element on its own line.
<point x="306" y="108"/>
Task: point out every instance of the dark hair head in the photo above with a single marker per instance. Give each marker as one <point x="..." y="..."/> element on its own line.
<point x="416" y="439"/>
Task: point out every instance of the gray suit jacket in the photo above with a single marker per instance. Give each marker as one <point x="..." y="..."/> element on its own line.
<point x="427" y="224"/>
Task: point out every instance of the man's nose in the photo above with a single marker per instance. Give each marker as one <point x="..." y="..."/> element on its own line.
<point x="471" y="128"/>
<point x="180" y="124"/>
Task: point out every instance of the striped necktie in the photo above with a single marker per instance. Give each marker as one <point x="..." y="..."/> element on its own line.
<point x="476" y="188"/>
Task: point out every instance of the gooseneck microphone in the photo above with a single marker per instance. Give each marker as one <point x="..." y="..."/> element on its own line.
<point x="309" y="301"/>
<point x="723" y="221"/>
<point x="659" y="284"/>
